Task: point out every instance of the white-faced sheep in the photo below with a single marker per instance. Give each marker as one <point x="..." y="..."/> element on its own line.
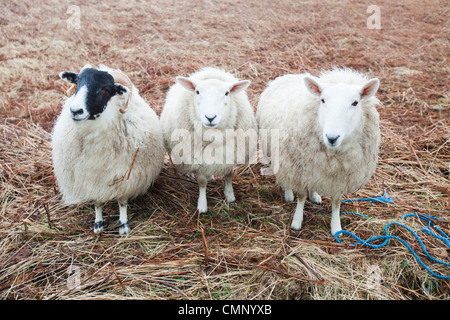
<point x="202" y="118"/>
<point x="107" y="142"/>
<point x="330" y="135"/>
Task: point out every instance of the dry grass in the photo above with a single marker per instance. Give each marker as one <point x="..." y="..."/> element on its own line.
<point x="239" y="251"/>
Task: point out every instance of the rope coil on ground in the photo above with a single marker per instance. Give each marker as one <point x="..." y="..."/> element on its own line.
<point x="386" y="198"/>
<point x="439" y="234"/>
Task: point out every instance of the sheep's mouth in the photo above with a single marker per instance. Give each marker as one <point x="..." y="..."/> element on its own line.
<point x="76" y="119"/>
<point x="333" y="146"/>
<point x="210" y="126"/>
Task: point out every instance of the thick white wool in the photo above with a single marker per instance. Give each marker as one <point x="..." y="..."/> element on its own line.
<point x="92" y="159"/>
<point x="179" y="113"/>
<point x="305" y="163"/>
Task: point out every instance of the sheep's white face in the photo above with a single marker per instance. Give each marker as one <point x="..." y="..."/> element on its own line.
<point x="212" y="98"/>
<point x="340" y="111"/>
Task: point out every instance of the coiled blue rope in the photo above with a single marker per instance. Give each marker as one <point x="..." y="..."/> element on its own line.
<point x="441" y="235"/>
<point x="387" y="237"/>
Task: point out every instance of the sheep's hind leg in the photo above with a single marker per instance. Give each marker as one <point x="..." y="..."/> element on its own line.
<point x="124" y="228"/>
<point x="98" y="224"/>
<point x="289" y="195"/>
<point x="229" y="193"/>
<point x="315" y="197"/>
<point x="202" y="205"/>
<point x="335" y="215"/>
<point x="298" y="215"/>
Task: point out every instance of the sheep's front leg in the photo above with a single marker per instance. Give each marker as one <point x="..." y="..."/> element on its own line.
<point x="288" y="195"/>
<point x="229" y="193"/>
<point x="124" y="228"/>
<point x="335" y="215"/>
<point x="98" y="224"/>
<point x="202" y="205"/>
<point x="298" y="215"/>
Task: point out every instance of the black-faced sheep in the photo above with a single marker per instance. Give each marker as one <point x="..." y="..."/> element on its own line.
<point x="107" y="142"/>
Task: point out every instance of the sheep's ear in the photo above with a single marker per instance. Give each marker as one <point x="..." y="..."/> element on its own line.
<point x="370" y="88"/>
<point x="313" y="86"/>
<point x="239" y="86"/>
<point x="120" y="89"/>
<point x="69" y="76"/>
<point x="185" y="83"/>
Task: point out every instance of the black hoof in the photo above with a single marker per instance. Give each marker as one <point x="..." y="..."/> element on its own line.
<point x="98" y="227"/>
<point x="124" y="228"/>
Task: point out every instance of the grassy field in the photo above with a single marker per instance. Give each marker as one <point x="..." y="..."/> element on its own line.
<point x="244" y="250"/>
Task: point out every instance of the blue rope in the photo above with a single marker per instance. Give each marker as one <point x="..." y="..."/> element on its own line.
<point x="428" y="230"/>
<point x="356" y="214"/>
<point x="387" y="237"/>
<point x="386" y="198"/>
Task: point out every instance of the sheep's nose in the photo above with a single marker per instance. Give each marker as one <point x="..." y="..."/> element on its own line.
<point x="210" y="117"/>
<point x="77" y="112"/>
<point x="332" y="139"/>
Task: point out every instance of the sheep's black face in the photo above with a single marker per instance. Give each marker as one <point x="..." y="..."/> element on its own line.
<point x="94" y="90"/>
<point x="100" y="88"/>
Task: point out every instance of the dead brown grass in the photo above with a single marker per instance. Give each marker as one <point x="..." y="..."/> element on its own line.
<point x="243" y="250"/>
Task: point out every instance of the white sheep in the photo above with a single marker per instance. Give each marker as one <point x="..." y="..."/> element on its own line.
<point x="329" y="129"/>
<point x="202" y="118"/>
<point x="107" y="142"/>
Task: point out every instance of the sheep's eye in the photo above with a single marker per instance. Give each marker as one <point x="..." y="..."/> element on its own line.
<point x="197" y="92"/>
<point x="323" y="101"/>
<point x="104" y="91"/>
<point x="354" y="103"/>
<point x="226" y="93"/>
